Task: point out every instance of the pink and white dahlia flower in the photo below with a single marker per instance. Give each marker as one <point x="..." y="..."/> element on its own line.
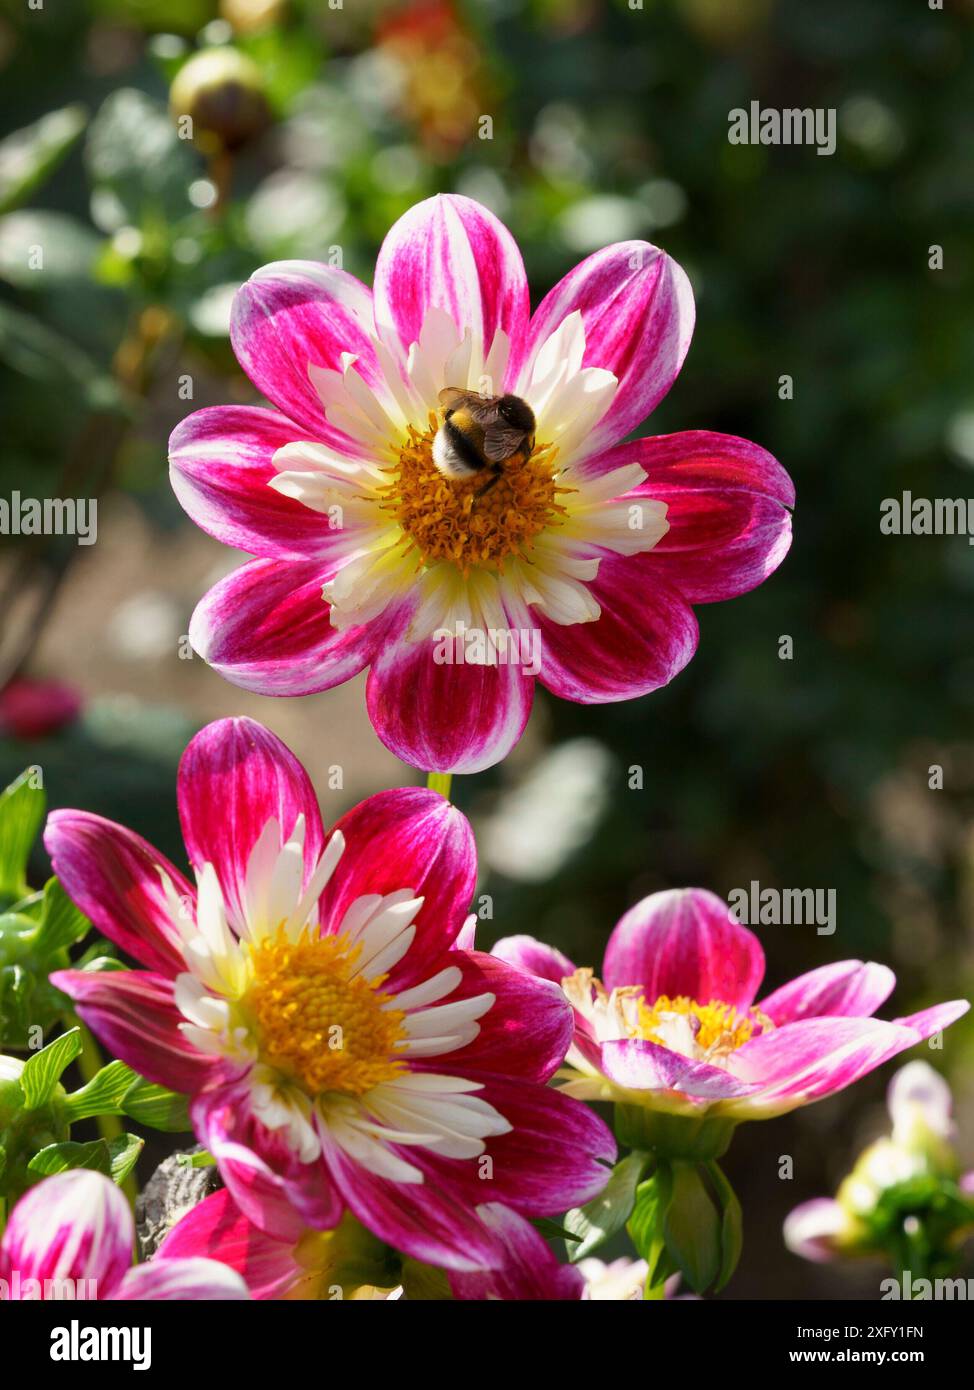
<point x="319" y="998"/>
<point x="72" y="1235"/>
<point x="579" y="567"/>
<point x="673" y="1027"/>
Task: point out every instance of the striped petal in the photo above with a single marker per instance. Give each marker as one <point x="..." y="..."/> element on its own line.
<point x="684" y="942"/>
<point x="196" y="1280"/>
<point x="216" y="1229"/>
<point x="848" y="987"/>
<point x="535" y="957"/>
<point x="530" y="1270"/>
<point x="74" y="1226"/>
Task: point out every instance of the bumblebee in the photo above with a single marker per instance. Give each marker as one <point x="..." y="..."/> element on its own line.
<point x="481" y="434"/>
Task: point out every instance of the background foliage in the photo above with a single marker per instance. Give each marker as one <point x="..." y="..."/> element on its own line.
<point x="608" y="122"/>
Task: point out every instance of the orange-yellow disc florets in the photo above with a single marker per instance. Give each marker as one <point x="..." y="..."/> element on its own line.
<point x="318" y="1022"/>
<point x="445" y="519"/>
<point x="717" y="1028"/>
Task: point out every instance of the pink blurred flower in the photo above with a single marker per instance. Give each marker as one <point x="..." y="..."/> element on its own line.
<point x="365" y="555"/>
<point x="673" y="1025"/>
<point x="319" y="998"/>
<point x="72" y="1235"/>
<point x="32" y="708"/>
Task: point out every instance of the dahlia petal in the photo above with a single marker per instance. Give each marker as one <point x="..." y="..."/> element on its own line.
<point x="527" y="1030"/>
<point x="727" y="503"/>
<point x="645" y="635"/>
<point x="217" y="1230"/>
<point x="813" y="1229"/>
<point x="266" y="627"/>
<point x="133" y="1014"/>
<point x="535" y="957"/>
<point x="450" y="253"/>
<point x="221" y="466"/>
<point x="637" y="310"/>
<point x="638" y="1065"/>
<point x="815" y="1057"/>
<point x="294" y="314"/>
<point x="530" y="1270"/>
<point x="115" y="877"/>
<point x="442" y="717"/>
<point x="407" y="838"/>
<point x="933" y="1020"/>
<point x="847" y="987"/>
<point x="76" y="1225"/>
<point x="194" y="1279"/>
<point x="234" y="777"/>
<point x="684" y="942"/>
<point x="263" y="1175"/>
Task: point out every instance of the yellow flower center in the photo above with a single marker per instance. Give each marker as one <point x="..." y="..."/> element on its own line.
<point x="717" y="1028"/>
<point x="445" y="519"/>
<point x="317" y="1022"/>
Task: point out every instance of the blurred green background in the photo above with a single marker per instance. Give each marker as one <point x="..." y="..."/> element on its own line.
<point x="608" y="122"/>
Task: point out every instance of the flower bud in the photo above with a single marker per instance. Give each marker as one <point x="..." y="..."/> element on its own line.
<point x="222" y="92"/>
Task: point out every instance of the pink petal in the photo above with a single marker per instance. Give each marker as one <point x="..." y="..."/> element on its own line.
<point x="530" y="1270"/>
<point x="407" y="838"/>
<point x="534" y="957"/>
<point x="266" y="627"/>
<point x="644" y="637"/>
<point x="246" y="774"/>
<point x="933" y="1020"/>
<point x="220" y="467"/>
<point x="525" y="1033"/>
<point x="452" y="254"/>
<point x="847" y="987"/>
<point x="216" y="1229"/>
<point x="268" y="1184"/>
<point x="430" y="1221"/>
<point x="443" y="718"/>
<point x="132" y="1013"/>
<point x="815" y="1057"/>
<point x="294" y="314"/>
<point x="684" y="942"/>
<point x="637" y="310"/>
<point x="727" y="508"/>
<point x="113" y="875"/>
<point x="76" y="1225"/>
<point x="646" y="1066"/>
<point x="195" y="1280"/>
<point x="811" y="1229"/>
<point x="557" y="1154"/>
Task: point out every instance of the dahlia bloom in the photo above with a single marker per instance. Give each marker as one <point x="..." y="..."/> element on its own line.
<point x="673" y="1027"/>
<point x="72" y="1235"/>
<point x="580" y="567"/>
<point x="318" y="998"/>
<point x="918" y="1148"/>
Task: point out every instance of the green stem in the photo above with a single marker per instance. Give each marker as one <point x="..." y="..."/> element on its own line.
<point x="90" y="1063"/>
<point x="440" y="782"/>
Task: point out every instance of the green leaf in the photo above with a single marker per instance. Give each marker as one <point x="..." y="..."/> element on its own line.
<point x="22" y="807"/>
<point x="551" y="1229"/>
<point x="203" y="1159"/>
<point x="692" y="1228"/>
<point x="42" y="250"/>
<point x="645" y="1225"/>
<point x="124" y="1153"/>
<point x="30" y="155"/>
<point x="57" y="1158"/>
<point x="156" y="1107"/>
<point x="103" y="1094"/>
<point x="42" y="1072"/>
<point x="610" y="1210"/>
<point x="137" y="162"/>
<point x="62" y="924"/>
<point x="732" y="1225"/>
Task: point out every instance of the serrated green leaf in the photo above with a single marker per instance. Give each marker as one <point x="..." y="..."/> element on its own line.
<point x="607" y="1213"/>
<point x="30" y="155"/>
<point x="103" y="1094"/>
<point x="42" y="1071"/>
<point x="58" y="1158"/>
<point x="62" y="924"/>
<point x="156" y="1107"/>
<point x="22" y="807"/>
<point x="124" y="1153"/>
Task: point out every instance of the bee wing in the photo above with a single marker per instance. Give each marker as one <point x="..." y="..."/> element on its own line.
<point x="483" y="409"/>
<point x="501" y="441"/>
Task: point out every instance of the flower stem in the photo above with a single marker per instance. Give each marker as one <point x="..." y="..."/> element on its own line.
<point x="90" y="1063"/>
<point x="440" y="782"/>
